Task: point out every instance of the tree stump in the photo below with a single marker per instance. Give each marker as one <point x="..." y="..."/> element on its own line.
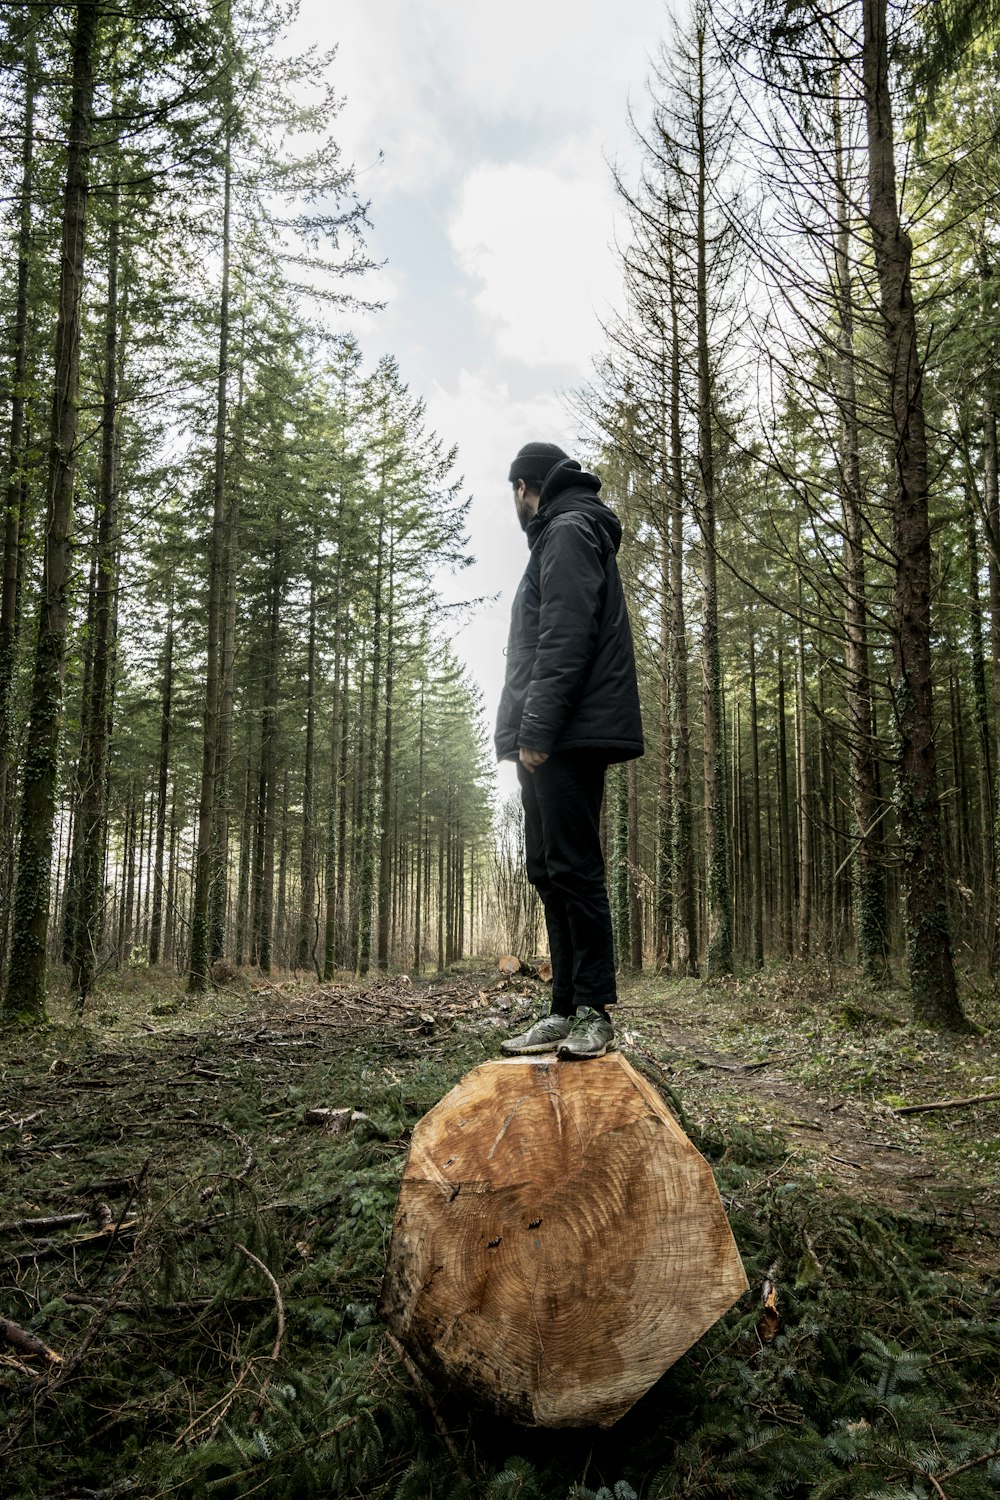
<point x="558" y="1241"/>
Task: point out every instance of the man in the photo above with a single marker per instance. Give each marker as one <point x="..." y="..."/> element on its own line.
<point x="570" y="706"/>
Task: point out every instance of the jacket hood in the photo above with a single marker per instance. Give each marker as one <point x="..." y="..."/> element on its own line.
<point x="568" y="487"/>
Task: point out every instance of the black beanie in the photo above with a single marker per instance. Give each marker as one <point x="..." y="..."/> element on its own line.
<point x="533" y="462"/>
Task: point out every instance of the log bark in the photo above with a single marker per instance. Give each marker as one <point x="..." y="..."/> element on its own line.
<point x="558" y="1242"/>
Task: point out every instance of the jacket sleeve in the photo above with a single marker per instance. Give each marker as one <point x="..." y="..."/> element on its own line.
<point x="572" y="586"/>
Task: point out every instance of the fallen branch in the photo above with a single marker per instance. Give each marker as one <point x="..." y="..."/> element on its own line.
<point x="105" y="1236"/>
<point x="27" y="1342"/>
<point x="925" y="1109"/>
<point x="278" y="1337"/>
<point x="194" y="1305"/>
<point x="770" y="1321"/>
<point x="422" y="1387"/>
<point x="68" y="1367"/>
<point x="43" y="1226"/>
<point x="13" y="1124"/>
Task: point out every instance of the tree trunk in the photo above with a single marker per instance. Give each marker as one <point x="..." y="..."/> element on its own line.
<point x="784" y="822"/>
<point x="418" y="910"/>
<point x="441" y="895"/>
<point x="367" y="830"/>
<point x="756" y="871"/>
<point x="170" y="914"/>
<point x="336" y="851"/>
<point x="307" y="877"/>
<point x="719" y="955"/>
<point x="991" y="500"/>
<point x="243" y="891"/>
<point x="92" y="813"/>
<point x="24" y="997"/>
<point x="871" y="920"/>
<point x="269" y="775"/>
<point x="166" y="700"/>
<point x="664" y="785"/>
<point x="201" y="909"/>
<point x="385" y="819"/>
<point x="634" y="897"/>
<point x="928" y="940"/>
<point x="682" y="853"/>
<point x="802" y="791"/>
<point x="16" y="487"/>
<point x="281" y="912"/>
<point x="344" y="955"/>
<point x="980" y="699"/>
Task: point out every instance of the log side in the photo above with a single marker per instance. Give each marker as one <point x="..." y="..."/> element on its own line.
<point x="558" y="1241"/>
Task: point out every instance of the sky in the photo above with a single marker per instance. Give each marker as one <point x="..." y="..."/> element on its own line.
<point x="482" y="133"/>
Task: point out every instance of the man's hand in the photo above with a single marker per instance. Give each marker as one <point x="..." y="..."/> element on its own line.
<point x="532" y="759"/>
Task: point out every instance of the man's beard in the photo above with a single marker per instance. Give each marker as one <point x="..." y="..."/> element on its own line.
<point x="525" y="511"/>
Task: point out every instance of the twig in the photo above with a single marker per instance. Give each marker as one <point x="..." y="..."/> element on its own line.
<point x="111" y="1492"/>
<point x="924" y="1109"/>
<point x="422" y="1387"/>
<point x="972" y="1463"/>
<point x="220" y="1409"/>
<point x="120" y="1225"/>
<point x="255" y="1415"/>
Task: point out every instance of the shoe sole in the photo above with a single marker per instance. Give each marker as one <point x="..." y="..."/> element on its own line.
<point x="564" y="1054"/>
<point x="528" y="1051"/>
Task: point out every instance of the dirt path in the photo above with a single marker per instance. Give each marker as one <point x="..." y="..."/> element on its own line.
<point x="863" y="1148"/>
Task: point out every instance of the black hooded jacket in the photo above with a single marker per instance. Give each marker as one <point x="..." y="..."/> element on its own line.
<point x="571" y="681"/>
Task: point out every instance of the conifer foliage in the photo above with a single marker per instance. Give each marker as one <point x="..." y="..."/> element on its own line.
<point x="796" y="416"/>
<point x="231" y="729"/>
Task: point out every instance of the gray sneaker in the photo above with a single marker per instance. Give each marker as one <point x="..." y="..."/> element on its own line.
<point x="544" y="1036"/>
<point x="591" y="1035"/>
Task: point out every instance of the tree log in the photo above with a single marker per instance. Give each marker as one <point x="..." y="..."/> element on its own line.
<point x="558" y="1241"/>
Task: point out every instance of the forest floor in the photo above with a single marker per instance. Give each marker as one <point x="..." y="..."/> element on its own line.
<point x="192" y="1248"/>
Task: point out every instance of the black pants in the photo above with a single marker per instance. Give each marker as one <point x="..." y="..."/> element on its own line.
<point x="562" y="846"/>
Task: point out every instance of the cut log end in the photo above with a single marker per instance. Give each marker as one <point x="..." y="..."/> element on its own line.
<point x="558" y="1242"/>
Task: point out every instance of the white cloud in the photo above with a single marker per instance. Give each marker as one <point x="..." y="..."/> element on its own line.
<point x="495" y="122"/>
<point x="422" y="76"/>
<point x="490" y="423"/>
<point x="536" y="240"/>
